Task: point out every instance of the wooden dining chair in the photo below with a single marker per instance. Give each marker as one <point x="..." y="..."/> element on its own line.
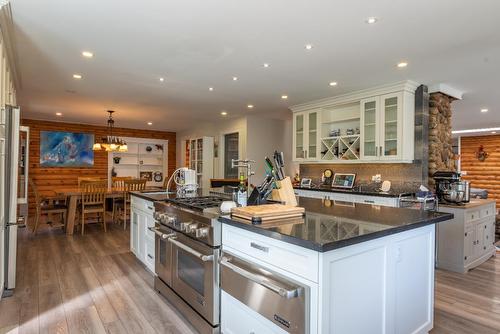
<point x="93" y="200"/>
<point x="130" y="185"/>
<point x="82" y="179"/>
<point x="118" y="184"/>
<point x="48" y="205"/>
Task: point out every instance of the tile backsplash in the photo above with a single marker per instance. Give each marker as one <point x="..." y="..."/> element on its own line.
<point x="397" y="173"/>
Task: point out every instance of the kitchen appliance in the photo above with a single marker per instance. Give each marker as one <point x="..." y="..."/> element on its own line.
<point x="450" y="189"/>
<point x="185" y="181"/>
<point x="277" y="298"/>
<point x="188" y="241"/>
<point x="14" y="141"/>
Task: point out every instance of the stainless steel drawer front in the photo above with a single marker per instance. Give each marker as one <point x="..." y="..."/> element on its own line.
<point x="273" y="296"/>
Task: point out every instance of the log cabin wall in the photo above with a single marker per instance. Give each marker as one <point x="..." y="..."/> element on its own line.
<point x="482" y="174"/>
<point x="53" y="178"/>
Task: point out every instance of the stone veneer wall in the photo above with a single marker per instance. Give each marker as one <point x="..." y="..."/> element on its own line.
<point x="441" y="156"/>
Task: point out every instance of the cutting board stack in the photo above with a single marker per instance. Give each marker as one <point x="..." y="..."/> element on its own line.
<point x="267" y="213"/>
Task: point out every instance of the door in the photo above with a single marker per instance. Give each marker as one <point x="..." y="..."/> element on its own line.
<point x="134" y="231"/>
<point x="194" y="275"/>
<point x="299" y="141"/>
<point x="469" y="243"/>
<point x="369" y="134"/>
<point x="390" y="126"/>
<point x="312" y="136"/>
<point x="9" y="196"/>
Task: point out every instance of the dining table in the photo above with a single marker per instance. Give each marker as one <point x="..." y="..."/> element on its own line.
<point x="73" y="194"/>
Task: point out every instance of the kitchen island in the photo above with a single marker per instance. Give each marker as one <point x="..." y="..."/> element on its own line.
<point x="344" y="268"/>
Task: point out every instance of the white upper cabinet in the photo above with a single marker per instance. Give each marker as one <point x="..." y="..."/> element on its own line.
<point x="365" y="126"/>
<point x="305" y="136"/>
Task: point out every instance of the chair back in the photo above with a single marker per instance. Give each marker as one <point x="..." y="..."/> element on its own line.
<point x="86" y="179"/>
<point x="134" y="185"/>
<point x="93" y="192"/>
<point x="118" y="182"/>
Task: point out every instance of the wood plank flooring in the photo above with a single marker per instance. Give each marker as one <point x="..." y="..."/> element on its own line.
<point x="84" y="284"/>
<point x="93" y="284"/>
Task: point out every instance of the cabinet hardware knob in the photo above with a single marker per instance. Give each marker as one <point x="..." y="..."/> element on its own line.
<point x="465" y="258"/>
<point x="465" y="233"/>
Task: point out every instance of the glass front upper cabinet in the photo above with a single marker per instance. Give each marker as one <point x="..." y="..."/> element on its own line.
<point x="390" y="124"/>
<point x="299" y="136"/>
<point x="312" y="137"/>
<point x="369" y="128"/>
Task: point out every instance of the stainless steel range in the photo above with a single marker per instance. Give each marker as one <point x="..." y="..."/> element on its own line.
<point x="188" y="240"/>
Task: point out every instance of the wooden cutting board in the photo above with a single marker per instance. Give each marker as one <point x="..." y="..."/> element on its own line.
<point x="267" y="212"/>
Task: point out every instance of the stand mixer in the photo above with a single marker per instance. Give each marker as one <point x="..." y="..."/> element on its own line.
<point x="450" y="189"/>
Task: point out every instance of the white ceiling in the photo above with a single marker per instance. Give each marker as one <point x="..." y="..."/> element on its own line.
<point x="195" y="44"/>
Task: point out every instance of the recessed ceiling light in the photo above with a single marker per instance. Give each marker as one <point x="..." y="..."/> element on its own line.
<point x="223" y="113"/>
<point x="402" y="64"/>
<point x="333" y="83"/>
<point x="150" y="123"/>
<point x="371" y="20"/>
<point x="77" y="76"/>
<point x="87" y="54"/>
<point x="266" y="65"/>
<point x="210" y="89"/>
<point x="250" y="106"/>
<point x="162" y="79"/>
<point x="308" y="46"/>
<point x="493" y="132"/>
<point x="484" y="110"/>
<point x="284" y="97"/>
<point x="235" y="78"/>
<point x="58" y="113"/>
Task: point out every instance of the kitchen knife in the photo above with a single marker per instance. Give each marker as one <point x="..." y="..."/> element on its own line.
<point x="277" y="165"/>
<point x="270" y="166"/>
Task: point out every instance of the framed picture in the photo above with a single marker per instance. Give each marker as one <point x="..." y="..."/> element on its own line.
<point x="343" y="180"/>
<point x="148" y="176"/>
<point x="66" y="149"/>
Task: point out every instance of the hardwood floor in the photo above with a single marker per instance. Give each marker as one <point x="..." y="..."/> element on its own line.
<point x="468" y="303"/>
<point x="84" y="284"/>
<point x="93" y="284"/>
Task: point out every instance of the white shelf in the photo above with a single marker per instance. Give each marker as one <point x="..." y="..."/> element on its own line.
<point x="370" y="124"/>
<point x="342" y="120"/>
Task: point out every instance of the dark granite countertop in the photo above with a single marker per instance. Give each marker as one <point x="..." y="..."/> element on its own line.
<point x="329" y="225"/>
<point x="364" y="190"/>
<point x="152" y="195"/>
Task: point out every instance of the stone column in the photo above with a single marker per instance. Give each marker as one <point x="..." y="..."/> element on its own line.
<point x="441" y="156"/>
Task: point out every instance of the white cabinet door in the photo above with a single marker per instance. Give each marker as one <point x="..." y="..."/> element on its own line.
<point x="306" y="136"/>
<point x="390" y="126"/>
<point x="134" y="231"/>
<point x="141" y="239"/>
<point x="369" y="147"/>
<point x="299" y="139"/>
<point x="469" y="243"/>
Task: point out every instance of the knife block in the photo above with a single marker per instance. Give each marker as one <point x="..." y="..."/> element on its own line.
<point x="284" y="193"/>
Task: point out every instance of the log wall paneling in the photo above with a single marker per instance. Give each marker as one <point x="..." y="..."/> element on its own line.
<point x="482" y="174"/>
<point x="49" y="179"/>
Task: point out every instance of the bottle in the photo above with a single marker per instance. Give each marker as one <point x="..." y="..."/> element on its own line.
<point x="242" y="192"/>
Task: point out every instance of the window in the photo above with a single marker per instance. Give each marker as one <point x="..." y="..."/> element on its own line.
<point x="230" y="152"/>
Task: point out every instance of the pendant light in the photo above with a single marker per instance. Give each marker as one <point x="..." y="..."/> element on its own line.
<point x="110" y="143"/>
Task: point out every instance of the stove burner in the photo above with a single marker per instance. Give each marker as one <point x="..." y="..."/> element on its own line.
<point x="198" y="203"/>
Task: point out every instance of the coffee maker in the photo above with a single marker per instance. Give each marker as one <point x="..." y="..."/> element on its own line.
<point x="450" y="189"/>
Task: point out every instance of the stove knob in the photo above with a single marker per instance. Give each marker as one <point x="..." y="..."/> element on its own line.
<point x="170" y="219"/>
<point x="202" y="232"/>
<point x="156" y="215"/>
<point x="184" y="226"/>
<point x="192" y="228"/>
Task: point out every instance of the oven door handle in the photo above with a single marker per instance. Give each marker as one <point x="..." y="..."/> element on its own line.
<point x="283" y="292"/>
<point x="160" y="233"/>
<point x="203" y="257"/>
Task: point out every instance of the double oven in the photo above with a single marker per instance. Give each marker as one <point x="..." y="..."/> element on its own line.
<point x="186" y="264"/>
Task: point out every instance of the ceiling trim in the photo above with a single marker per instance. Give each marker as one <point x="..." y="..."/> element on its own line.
<point x="9" y="41"/>
<point x="447" y="90"/>
<point x="407" y="85"/>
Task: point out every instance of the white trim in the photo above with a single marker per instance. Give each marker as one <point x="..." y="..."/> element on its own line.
<point x="408" y="85"/>
<point x="445" y="89"/>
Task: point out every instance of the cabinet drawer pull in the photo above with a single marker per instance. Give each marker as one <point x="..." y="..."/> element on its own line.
<point x="465" y="233"/>
<point x="150" y="207"/>
<point x="369" y="201"/>
<point x="465" y="258"/>
<point x="484" y="247"/>
<point x="259" y="247"/>
<point x="150" y="256"/>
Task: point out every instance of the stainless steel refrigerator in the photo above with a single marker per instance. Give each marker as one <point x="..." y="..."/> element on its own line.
<point x="9" y="186"/>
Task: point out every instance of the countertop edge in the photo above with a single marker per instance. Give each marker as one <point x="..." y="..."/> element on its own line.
<point x="335" y="244"/>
